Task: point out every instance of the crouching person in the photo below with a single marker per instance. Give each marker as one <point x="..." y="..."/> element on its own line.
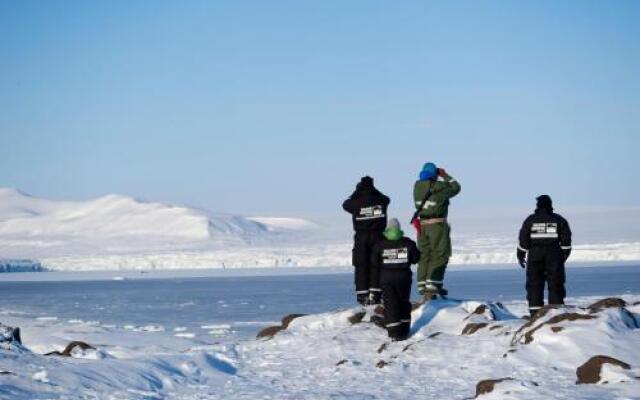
<point x="393" y="255"/>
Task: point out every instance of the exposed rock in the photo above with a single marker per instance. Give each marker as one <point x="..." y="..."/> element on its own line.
<point x="481" y="310"/>
<point x="70" y="347"/>
<point x="435" y="334"/>
<point x="487" y="385"/>
<point x="9" y="334"/>
<point x="271" y="331"/>
<point x="554" y="320"/>
<point x="357" y="317"/>
<point x="543" y="311"/>
<point x="609" y="302"/>
<point x="6" y="373"/>
<point x="589" y="372"/>
<point x="556" y="329"/>
<point x="382" y="348"/>
<point x="493" y="328"/>
<point x="473" y="327"/>
<point x="532" y="319"/>
<point x="286" y="320"/>
<point x="382" y="364"/>
<point x="614" y="302"/>
<point x="410" y="345"/>
<point x="344" y="361"/>
<point x="528" y="337"/>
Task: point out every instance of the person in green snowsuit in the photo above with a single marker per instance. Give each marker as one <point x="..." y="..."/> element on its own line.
<point x="434" y="241"/>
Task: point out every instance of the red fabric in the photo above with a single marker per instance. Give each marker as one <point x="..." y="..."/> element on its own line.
<point x="416" y="224"/>
<point x="441" y="172"/>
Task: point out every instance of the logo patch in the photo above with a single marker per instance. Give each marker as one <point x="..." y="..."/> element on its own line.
<point x="395" y="256"/>
<point x="544" y="230"/>
<point x="371" y="212"/>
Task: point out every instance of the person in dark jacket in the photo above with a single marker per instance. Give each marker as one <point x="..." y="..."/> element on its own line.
<point x="394" y="255"/>
<point x="368" y="209"/>
<point x="545" y="243"/>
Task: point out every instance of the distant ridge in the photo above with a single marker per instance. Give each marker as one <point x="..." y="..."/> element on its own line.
<point x="22" y="215"/>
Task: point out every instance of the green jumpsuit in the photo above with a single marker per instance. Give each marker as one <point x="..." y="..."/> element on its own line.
<point x="434" y="241"/>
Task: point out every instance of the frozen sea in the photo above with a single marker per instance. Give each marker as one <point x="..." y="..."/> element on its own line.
<point x="221" y="308"/>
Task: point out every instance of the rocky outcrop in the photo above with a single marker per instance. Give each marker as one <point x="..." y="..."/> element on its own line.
<point x="487" y="385"/>
<point x="67" y="352"/>
<point x="613" y="302"/>
<point x="609" y="302"/>
<point x="357" y="317"/>
<point x="270" y="331"/>
<point x="473" y="327"/>
<point x="528" y="336"/>
<point x="553" y="316"/>
<point x="481" y="310"/>
<point x="528" y="329"/>
<point x="375" y="316"/>
<point x="382" y="364"/>
<point x="9" y="335"/>
<point x="286" y="320"/>
<point x="589" y="372"/>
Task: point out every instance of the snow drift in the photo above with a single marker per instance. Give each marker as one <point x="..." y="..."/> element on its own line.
<point x="457" y="349"/>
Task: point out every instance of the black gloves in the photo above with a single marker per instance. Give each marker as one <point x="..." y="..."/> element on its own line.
<point x="521" y="254"/>
<point x="566" y="253"/>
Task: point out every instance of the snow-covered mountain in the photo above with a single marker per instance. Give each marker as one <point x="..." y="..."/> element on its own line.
<point x="22" y="215"/>
<point x="97" y="232"/>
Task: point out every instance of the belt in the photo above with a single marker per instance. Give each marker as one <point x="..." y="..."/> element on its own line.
<point x="431" y="221"/>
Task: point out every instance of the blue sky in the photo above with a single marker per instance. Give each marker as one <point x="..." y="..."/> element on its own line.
<point x="279" y="107"/>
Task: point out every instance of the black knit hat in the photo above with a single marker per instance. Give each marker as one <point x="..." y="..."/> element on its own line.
<point x="366" y="182"/>
<point x="544" y="202"/>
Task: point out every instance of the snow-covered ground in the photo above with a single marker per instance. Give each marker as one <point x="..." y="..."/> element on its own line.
<point x="193" y="339"/>
<point x="119" y="232"/>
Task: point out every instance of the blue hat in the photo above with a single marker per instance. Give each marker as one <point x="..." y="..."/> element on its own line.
<point x="429" y="171"/>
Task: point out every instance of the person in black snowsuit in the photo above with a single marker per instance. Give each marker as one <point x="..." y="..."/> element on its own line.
<point x="545" y="243"/>
<point x="368" y="209"/>
<point x="394" y="255"/>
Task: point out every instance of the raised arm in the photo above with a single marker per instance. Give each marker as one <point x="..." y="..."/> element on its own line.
<point x="451" y="188"/>
<point x="348" y="205"/>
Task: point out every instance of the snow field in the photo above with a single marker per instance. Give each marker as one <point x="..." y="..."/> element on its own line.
<point x="454" y="345"/>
